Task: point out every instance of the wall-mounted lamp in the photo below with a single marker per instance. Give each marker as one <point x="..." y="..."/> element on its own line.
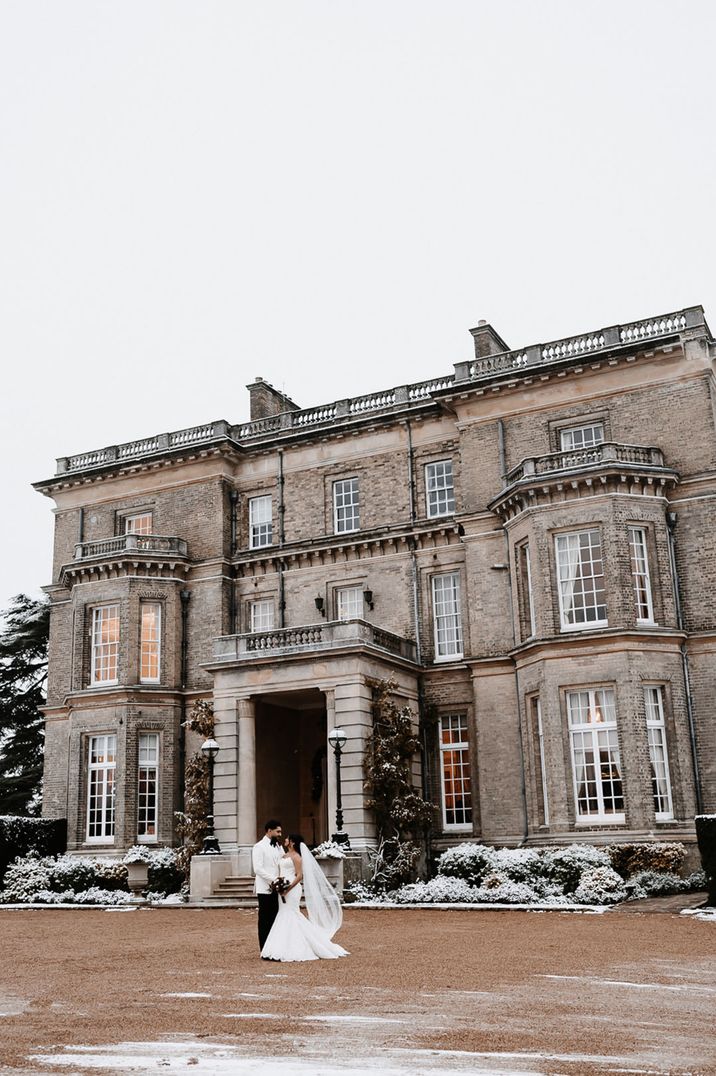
<point x="368" y="598"/>
<point x="320" y="605"/>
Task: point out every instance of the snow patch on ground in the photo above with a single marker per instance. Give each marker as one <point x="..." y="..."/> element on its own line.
<point x="11" y="1005"/>
<point x="706" y="915"/>
<point x="589" y="909"/>
<point x="192" y="1056"/>
<point x="691" y="988"/>
<point x="219" y="1059"/>
<point x="187" y="995"/>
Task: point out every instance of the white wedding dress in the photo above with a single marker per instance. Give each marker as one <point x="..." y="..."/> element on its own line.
<point x="295" y="937"/>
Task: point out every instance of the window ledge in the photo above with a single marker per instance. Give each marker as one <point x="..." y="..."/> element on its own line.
<point x="444" y="658"/>
<point x="596" y="820"/>
<point x="591" y="626"/>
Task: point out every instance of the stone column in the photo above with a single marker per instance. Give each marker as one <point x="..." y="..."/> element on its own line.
<point x="330" y="762"/>
<point x="354" y="713"/>
<point x="225" y="776"/>
<point x="247" y="783"/>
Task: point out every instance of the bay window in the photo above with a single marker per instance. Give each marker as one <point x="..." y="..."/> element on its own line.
<point x="101" y="764"/>
<point x="580" y="575"/>
<point x="104" y="661"/>
<point x="147" y="787"/>
<point x="455" y="776"/>
<point x="596" y="761"/>
<point x="150" y="642"/>
<point x="658" y="753"/>
<point x="640" y="575"/>
<point x="447" y="624"/>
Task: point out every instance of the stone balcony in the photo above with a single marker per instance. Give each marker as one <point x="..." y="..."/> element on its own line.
<point x="149" y="544"/>
<point x="609" y="467"/>
<point x="581" y="458"/>
<point x="154" y="554"/>
<point x="310" y="639"/>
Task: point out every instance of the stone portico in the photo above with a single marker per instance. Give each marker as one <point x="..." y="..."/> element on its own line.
<point x="277" y="695"/>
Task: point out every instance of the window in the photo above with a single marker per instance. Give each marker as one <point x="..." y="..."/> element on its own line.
<point x="147" y="787"/>
<point x="346" y="516"/>
<point x="577" y="437"/>
<point x="595" y="755"/>
<point x="658" y="755"/>
<point x="141" y="523"/>
<point x="100" y="788"/>
<point x="640" y="575"/>
<point x="455" y="772"/>
<point x="261" y="615"/>
<point x="105" y="645"/>
<point x="439" y="488"/>
<point x="524" y="591"/>
<point x="260" y="524"/>
<point x="580" y="571"/>
<point x="349" y="603"/>
<point x="150" y="642"/>
<point x="538" y="741"/>
<point x="446" y="616"/>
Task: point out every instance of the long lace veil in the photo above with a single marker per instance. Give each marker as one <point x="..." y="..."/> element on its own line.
<point x="322" y="902"/>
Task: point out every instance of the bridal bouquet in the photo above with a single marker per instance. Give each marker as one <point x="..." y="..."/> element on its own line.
<point x="280" y="885"/>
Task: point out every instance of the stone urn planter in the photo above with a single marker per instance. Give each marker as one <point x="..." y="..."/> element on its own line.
<point x="333" y="870"/>
<point x="137" y="877"/>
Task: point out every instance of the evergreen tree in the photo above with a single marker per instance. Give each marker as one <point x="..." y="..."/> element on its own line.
<point x="23" y="673"/>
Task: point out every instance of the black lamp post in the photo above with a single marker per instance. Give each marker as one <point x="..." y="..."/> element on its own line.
<point x="210" y="750"/>
<point x="337" y="739"/>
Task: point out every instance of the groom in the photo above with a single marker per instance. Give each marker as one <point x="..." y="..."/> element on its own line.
<point x="265" y="858"/>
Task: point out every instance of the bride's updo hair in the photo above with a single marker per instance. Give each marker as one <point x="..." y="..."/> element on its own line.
<point x="296" y="840"/>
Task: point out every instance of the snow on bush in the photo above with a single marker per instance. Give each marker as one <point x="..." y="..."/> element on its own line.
<point x="93" y="895"/>
<point x="30" y="875"/>
<point x="565" y="866"/>
<point x="467" y="861"/>
<point x="600" y="885"/>
<point x="439" y="890"/>
<point x="660" y="883"/>
<point x="575" y="874"/>
<point x="329" y="850"/>
<point x="518" y="864"/>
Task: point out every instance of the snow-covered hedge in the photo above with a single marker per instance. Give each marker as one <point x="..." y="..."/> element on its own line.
<point x="20" y="835"/>
<point x="576" y="874"/>
<point x="81" y="880"/>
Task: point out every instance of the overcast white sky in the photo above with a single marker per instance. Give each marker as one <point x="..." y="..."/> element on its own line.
<point x="328" y="194"/>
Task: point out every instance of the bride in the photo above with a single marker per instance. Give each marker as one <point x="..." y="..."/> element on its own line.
<point x="293" y="936"/>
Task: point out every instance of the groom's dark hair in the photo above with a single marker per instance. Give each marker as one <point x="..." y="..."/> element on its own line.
<point x="271" y="824"/>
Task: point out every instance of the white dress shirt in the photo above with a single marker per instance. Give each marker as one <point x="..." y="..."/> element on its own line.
<point x="265" y="858"/>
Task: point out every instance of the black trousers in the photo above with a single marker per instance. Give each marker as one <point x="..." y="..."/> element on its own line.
<point x="268" y="910"/>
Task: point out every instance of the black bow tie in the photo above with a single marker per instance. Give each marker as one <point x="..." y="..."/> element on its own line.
<point x="274" y="842"/>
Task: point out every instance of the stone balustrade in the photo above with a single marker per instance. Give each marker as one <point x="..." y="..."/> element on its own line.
<point x="585" y="346"/>
<point x="143" y="544"/>
<point x="311" y="637"/>
<point x="581" y="458"/>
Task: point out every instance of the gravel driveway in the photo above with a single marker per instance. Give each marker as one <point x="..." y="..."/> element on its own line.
<point x="424" y="991"/>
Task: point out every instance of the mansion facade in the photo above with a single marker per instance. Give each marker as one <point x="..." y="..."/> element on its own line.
<point x="526" y="547"/>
